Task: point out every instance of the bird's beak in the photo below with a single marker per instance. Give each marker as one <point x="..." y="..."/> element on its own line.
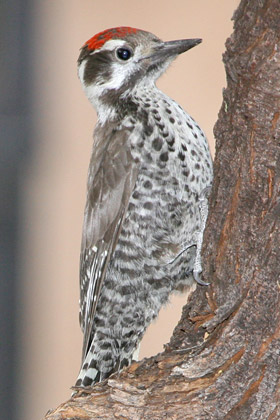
<point x="172" y="48"/>
<point x="177" y="47"/>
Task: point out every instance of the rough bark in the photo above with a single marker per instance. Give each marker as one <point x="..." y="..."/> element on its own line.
<point x="223" y="361"/>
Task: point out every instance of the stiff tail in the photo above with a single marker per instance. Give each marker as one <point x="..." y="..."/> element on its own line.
<point x="93" y="370"/>
<point x="90" y="373"/>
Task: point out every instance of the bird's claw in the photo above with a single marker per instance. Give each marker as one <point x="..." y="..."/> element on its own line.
<point x="198" y="279"/>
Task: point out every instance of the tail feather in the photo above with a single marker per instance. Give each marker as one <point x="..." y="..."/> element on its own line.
<point x="89" y="373"/>
<point x="94" y="371"/>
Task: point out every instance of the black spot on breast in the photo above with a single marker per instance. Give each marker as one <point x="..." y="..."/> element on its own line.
<point x="189" y="125"/>
<point x="148" y="205"/>
<point x="171" y="141"/>
<point x="184" y="147"/>
<point x="128" y="106"/>
<point x="168" y="111"/>
<point x="164" y="157"/>
<point x="161" y="126"/>
<point x="135" y="195"/>
<point x="148" y="129"/>
<point x="157" y="143"/>
<point x="181" y="156"/>
<point x="172" y="120"/>
<point x="148" y="185"/>
<point x="131" y="206"/>
<point x="175" y="181"/>
<point x="148" y="158"/>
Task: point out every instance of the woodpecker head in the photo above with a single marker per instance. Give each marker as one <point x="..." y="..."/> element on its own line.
<point x="113" y="62"/>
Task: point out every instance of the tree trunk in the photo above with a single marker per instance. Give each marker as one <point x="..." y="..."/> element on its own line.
<point x="223" y="361"/>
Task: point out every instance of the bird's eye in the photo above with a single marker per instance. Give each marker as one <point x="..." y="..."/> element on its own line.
<point x="124" y="54"/>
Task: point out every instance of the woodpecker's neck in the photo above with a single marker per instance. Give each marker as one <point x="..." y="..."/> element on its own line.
<point x="114" y="106"/>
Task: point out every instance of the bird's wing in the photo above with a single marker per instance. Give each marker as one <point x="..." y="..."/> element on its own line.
<point x="111" y="179"/>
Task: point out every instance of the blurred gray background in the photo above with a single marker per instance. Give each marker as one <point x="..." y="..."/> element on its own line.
<point x="45" y="143"/>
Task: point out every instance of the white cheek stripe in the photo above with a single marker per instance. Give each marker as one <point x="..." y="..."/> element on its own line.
<point x="120" y="73"/>
<point x="81" y="71"/>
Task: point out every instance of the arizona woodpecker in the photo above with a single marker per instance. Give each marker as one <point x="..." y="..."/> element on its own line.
<point x="146" y="207"/>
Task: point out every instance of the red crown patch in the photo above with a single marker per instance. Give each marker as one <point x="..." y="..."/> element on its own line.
<point x="99" y="39"/>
